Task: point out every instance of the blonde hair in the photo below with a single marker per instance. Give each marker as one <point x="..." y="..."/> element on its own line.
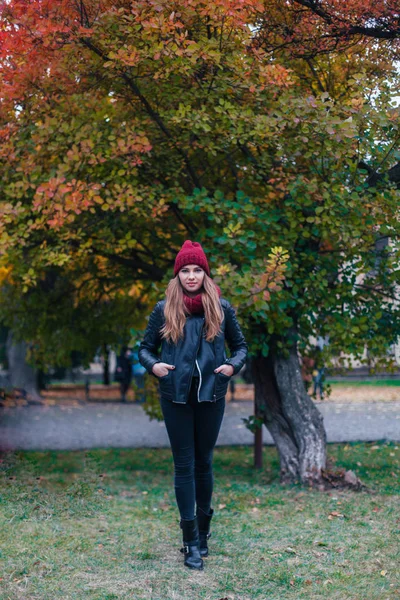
<point x="175" y="310"/>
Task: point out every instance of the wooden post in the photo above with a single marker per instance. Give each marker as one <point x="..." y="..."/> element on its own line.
<point x="257" y="440"/>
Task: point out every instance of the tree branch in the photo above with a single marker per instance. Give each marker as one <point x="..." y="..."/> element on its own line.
<point x="152" y="271"/>
<point x="373" y="176"/>
<point x="378" y="32"/>
<point x="315" y="74"/>
<point x="149" y="109"/>
<point x="377" y="291"/>
<point x="253" y="160"/>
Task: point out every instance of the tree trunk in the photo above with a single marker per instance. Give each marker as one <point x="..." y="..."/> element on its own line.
<point x="21" y="375"/>
<point x="106" y="365"/>
<point x="290" y="416"/>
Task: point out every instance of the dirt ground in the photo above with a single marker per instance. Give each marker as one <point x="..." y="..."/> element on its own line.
<point x="347" y="394"/>
<point x="76" y="394"/>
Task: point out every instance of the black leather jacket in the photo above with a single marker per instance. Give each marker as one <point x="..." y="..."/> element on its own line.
<point x="193" y="353"/>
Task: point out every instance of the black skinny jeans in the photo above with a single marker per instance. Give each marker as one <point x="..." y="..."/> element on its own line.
<point x="193" y="430"/>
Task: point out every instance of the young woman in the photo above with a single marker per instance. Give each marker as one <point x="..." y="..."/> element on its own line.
<point x="191" y="326"/>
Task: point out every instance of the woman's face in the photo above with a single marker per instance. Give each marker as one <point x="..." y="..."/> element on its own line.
<point x="191" y="278"/>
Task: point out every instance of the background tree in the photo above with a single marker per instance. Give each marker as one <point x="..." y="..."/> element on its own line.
<point x="127" y="127"/>
<point x="68" y="311"/>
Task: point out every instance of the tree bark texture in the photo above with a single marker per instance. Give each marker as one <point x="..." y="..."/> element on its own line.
<point x="291" y="417"/>
<point x="20" y="374"/>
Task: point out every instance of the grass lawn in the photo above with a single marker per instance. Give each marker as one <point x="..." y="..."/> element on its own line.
<point x="360" y="382"/>
<point x="103" y="525"/>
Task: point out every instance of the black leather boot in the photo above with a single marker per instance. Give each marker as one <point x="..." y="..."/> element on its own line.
<point x="203" y="520"/>
<point x="191" y="549"/>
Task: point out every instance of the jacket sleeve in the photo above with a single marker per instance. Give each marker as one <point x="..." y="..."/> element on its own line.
<point x="236" y="342"/>
<point x="149" y="347"/>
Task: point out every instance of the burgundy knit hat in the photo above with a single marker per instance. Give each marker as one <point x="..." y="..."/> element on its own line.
<point x="191" y="253"/>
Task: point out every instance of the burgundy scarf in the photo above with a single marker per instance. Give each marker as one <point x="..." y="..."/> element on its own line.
<point x="195" y="304"/>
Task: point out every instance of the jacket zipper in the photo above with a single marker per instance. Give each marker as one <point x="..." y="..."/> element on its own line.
<point x="198" y="389"/>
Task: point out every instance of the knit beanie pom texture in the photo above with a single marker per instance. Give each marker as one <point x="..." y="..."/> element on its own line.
<point x="191" y="253"/>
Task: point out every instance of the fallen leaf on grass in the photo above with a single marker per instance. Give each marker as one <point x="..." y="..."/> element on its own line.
<point x="221" y="506"/>
<point x="334" y="514"/>
<point x="327" y="582"/>
<point x="383" y="573"/>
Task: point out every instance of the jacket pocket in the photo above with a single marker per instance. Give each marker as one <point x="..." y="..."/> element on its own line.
<point x="221" y="385"/>
<point x="165" y="384"/>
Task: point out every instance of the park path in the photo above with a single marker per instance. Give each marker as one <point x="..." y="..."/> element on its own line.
<point x="115" y="425"/>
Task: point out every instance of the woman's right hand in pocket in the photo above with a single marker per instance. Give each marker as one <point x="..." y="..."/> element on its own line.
<point x="161" y="369"/>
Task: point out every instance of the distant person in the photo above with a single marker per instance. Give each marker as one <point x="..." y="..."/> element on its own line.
<point x="307" y="368"/>
<point x="191" y="327"/>
<point x="123" y="371"/>
<point x="318" y="373"/>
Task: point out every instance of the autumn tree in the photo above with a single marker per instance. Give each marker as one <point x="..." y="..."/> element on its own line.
<point x="259" y="127"/>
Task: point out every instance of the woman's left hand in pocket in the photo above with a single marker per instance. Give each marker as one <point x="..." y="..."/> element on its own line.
<point x="225" y="369"/>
